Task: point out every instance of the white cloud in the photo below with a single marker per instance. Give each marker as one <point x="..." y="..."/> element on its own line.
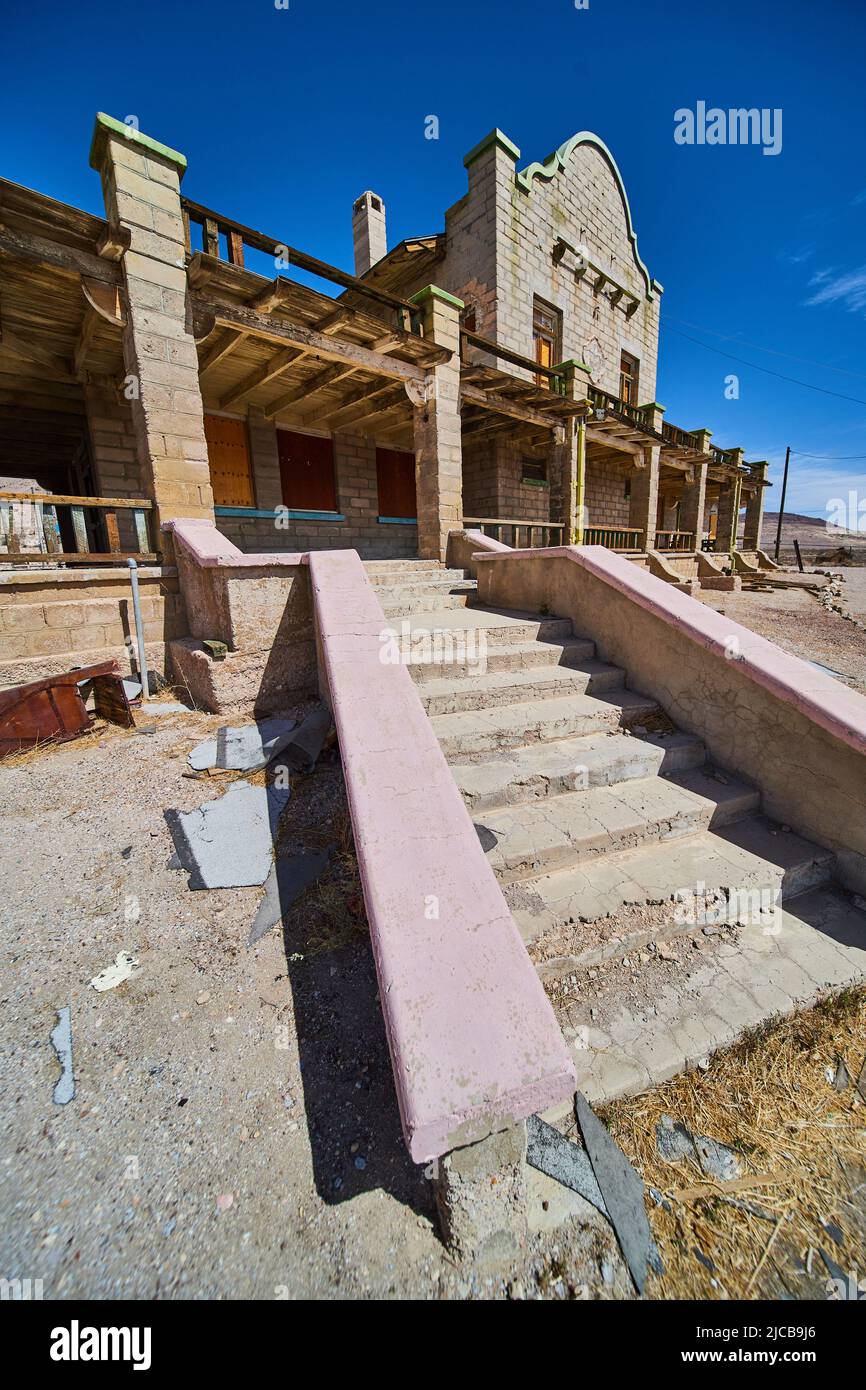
<point x="848" y="289"/>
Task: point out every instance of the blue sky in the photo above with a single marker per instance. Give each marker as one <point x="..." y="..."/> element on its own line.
<point x="285" y="115"/>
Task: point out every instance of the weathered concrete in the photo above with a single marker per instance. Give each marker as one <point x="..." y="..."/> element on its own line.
<point x="481" y="1195"/>
<point x="621" y="1049"/>
<point x="750" y="702"/>
<point x="473" y="1040"/>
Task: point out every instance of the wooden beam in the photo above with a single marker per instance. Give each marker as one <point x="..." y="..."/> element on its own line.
<point x="105" y="301"/>
<point x="32" y="352"/>
<point x="260" y="375"/>
<point x="307" y="388"/>
<point x="348" y="406"/>
<point x="24" y="246"/>
<point x="239" y="317"/>
<point x="220" y="348"/>
<point x="499" y="405"/>
<point x="85" y="338"/>
<point x="613" y="441"/>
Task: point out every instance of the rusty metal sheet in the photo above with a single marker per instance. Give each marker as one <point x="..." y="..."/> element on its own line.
<point x="52" y="709"/>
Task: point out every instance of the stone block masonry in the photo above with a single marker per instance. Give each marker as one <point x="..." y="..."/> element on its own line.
<point x="141" y="187"/>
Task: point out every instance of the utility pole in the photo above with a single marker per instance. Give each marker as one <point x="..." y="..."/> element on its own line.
<point x="782" y="504"/>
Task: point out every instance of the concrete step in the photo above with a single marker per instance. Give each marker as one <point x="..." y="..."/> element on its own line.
<point x="401" y="603"/>
<point x="519" y="775"/>
<point x="408" y="579"/>
<point x="750" y="857"/>
<point x="486" y="691"/>
<point x="496" y="628"/>
<point x="484" y="660"/>
<point x="543" y="836"/>
<point x="629" y="1032"/>
<point x="509" y="726"/>
<point x="376" y="567"/>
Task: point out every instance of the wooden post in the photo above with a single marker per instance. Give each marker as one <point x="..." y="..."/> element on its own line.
<point x="782" y="504"/>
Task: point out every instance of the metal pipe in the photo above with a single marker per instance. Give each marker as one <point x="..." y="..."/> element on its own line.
<point x="581" y="480"/>
<point x="139" y="629"/>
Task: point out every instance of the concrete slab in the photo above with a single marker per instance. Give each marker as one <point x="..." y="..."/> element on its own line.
<point x="290" y="875"/>
<point x="486" y="730"/>
<point x="251" y="747"/>
<point x="542" y="835"/>
<point x="485" y="690"/>
<point x="820" y="948"/>
<point x="228" y="842"/>
<point x="518" y="775"/>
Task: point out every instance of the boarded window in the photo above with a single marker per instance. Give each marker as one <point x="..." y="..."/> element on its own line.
<point x="533" y="471"/>
<point x="307" y="472"/>
<point x="395" y="479"/>
<point x="228" y="453"/>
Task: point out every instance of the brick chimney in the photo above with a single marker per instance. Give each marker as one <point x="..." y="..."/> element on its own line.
<point x="368" y="231"/>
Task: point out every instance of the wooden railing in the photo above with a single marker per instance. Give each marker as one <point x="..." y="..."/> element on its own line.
<point x="723" y="458"/>
<point x="555" y="378"/>
<point x="675" y="540"/>
<point x="214" y="225"/>
<point x="522" y="535"/>
<point x="603" y="400"/>
<point x="30" y="531"/>
<point x="622" y="538"/>
<point x="681" y="439"/>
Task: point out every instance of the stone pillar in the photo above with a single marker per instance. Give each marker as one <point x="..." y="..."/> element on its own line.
<point x="755" y="508"/>
<point x="438" y="451"/>
<point x="729" y="513"/>
<point x="693" y="502"/>
<point x="644" y="500"/>
<point x="481" y="1195"/>
<point x="727" y="517"/>
<point x="566" y="460"/>
<point x="141" y="187"/>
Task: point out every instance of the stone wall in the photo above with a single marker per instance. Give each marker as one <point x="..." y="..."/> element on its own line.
<point x="53" y="620"/>
<point x="357" y="502"/>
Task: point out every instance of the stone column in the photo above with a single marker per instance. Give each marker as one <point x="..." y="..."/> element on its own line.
<point x="141" y="187"/>
<point x="438" y="450"/>
<point x="726" y="527"/>
<point x="644" y="500"/>
<point x="755" y="508"/>
<point x="481" y="1195"/>
<point x="565" y="457"/>
<point x="693" y="502"/>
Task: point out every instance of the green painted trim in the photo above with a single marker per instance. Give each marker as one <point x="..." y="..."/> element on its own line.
<point x="653" y="405"/>
<point x="107" y="125"/>
<point x="434" y="292"/>
<point x="533" y="482"/>
<point x="397" y="520"/>
<point x="556" y="162"/>
<point x="571" y="362"/>
<point x="496" y="137"/>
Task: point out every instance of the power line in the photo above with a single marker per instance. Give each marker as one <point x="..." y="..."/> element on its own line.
<point x="775" y="352"/>
<point x="766" y="370"/>
<point x="835" y="458"/>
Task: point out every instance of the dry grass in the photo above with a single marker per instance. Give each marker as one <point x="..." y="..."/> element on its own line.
<point x="803" y="1150"/>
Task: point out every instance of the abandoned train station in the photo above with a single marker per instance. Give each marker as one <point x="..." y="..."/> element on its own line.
<point x="437" y="496"/>
<point x="166" y="362"/>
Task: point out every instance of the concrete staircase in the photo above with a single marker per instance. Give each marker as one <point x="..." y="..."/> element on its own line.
<point x="610" y="830"/>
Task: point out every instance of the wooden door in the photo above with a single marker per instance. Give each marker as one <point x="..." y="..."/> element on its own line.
<point x="228" y="452"/>
<point x="307" y="472"/>
<point x="395" y="479"/>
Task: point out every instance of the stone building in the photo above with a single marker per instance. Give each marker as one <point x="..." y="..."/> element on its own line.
<point x="166" y="362"/>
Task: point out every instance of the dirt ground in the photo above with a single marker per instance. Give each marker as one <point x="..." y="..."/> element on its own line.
<point x="797" y="621"/>
<point x="234" y="1130"/>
